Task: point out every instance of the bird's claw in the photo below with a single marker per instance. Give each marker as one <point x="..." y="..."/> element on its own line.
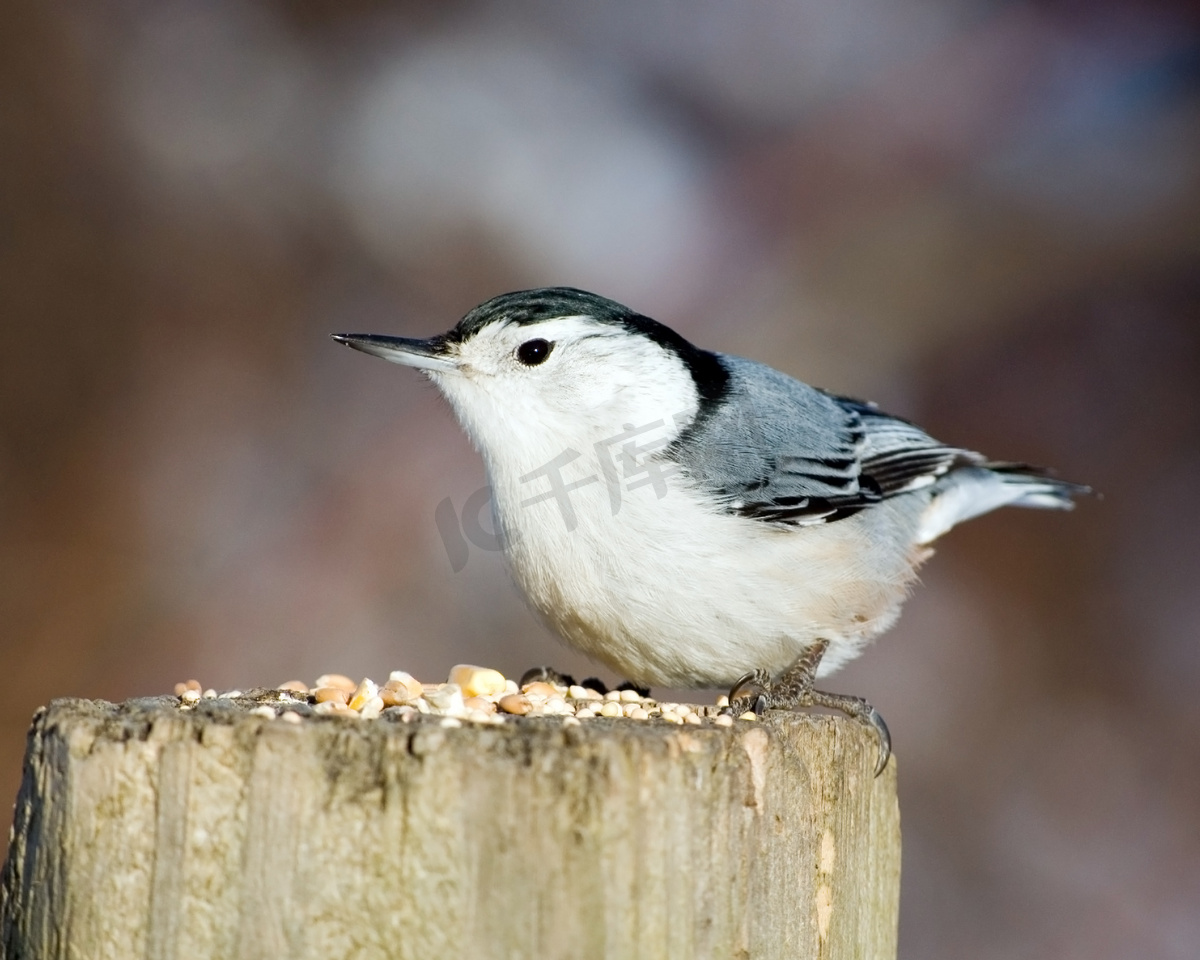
<point x="766" y="698"/>
<point x="875" y="720"/>
<point x="759" y="679"/>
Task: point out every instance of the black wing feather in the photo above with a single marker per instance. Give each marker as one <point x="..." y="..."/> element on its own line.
<point x="781" y="451"/>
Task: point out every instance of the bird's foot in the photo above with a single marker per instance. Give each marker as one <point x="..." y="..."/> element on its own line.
<point x="794" y="690"/>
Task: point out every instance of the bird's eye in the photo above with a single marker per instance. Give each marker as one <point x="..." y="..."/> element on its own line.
<point x="533" y="352"/>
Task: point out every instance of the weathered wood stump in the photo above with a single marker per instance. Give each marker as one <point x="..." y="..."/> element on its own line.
<point x="146" y="831"/>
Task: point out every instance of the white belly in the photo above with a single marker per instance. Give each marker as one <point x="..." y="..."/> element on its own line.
<point x="666" y="591"/>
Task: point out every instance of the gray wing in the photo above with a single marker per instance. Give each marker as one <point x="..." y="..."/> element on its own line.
<point x="780" y="450"/>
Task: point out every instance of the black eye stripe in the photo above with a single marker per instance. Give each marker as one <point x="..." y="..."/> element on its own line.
<point x="533" y="352"/>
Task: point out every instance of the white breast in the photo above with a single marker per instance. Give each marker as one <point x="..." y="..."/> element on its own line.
<point x="667" y="590"/>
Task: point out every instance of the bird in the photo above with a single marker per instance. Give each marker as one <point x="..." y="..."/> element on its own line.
<point x="692" y="518"/>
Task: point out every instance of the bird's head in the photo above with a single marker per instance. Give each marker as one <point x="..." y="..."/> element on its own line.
<point x="539" y="371"/>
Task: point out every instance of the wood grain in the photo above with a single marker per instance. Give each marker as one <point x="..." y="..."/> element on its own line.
<point x="147" y="831"/>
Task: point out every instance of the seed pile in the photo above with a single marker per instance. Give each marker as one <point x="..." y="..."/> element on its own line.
<point x="470" y="694"/>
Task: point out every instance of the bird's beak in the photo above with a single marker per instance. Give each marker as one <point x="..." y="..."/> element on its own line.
<point x="428" y="354"/>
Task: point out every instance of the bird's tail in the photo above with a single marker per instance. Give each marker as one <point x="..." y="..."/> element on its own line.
<point x="970" y="491"/>
<point x="1037" y="485"/>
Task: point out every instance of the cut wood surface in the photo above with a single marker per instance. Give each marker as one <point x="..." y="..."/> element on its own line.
<point x="144" y="830"/>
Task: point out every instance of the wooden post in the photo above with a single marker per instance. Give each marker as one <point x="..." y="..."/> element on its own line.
<point x="146" y="831"/>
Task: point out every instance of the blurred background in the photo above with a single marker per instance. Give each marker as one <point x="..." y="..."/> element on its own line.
<point x="983" y="215"/>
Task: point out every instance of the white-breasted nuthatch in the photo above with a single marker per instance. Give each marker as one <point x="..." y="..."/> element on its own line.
<point x="694" y="519"/>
